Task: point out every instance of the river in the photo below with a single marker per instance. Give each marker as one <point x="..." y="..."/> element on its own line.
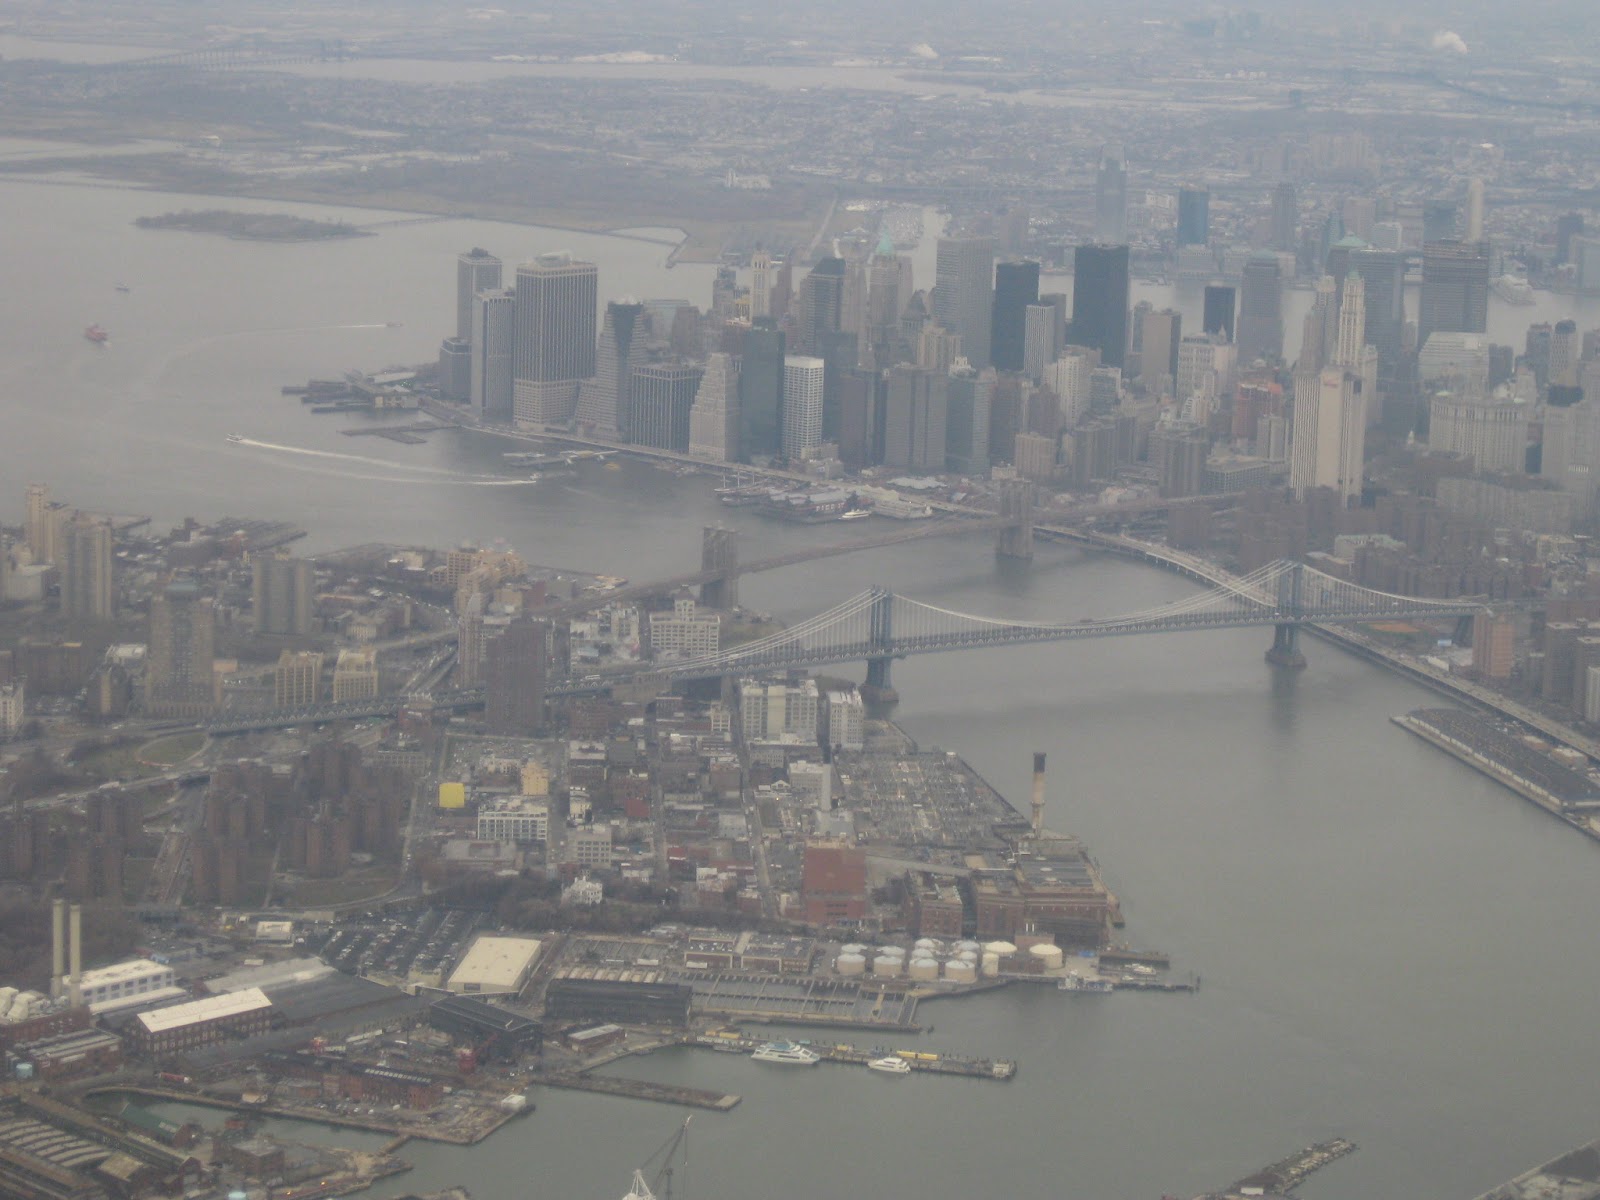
<point x="1393" y="948"/>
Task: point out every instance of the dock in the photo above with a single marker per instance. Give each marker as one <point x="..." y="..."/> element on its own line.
<point x="410" y="435"/>
<point x="917" y="1060"/>
<point x="638" y="1089"/>
<point x="1288" y="1173"/>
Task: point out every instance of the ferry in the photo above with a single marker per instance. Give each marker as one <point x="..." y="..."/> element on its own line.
<point x="855" y="514"/>
<point x="890" y="1065"/>
<point x="236" y="437"/>
<point x="788" y="1053"/>
<point x="97" y="334"/>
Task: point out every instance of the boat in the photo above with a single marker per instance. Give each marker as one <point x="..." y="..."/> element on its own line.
<point x="393" y="324"/>
<point x="788" y="1053"/>
<point x="97" y="334"/>
<point x="891" y="1064"/>
<point x="236" y="437"/>
<point x="534" y="478"/>
<point x="1513" y="289"/>
<point x="122" y="287"/>
<point x="855" y="514"/>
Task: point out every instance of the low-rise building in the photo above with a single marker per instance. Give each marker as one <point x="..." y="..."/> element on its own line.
<point x="202" y="1022"/>
<point x="514" y="819"/>
<point x="495" y="965"/>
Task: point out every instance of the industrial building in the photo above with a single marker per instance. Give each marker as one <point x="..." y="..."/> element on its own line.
<point x="615" y="1000"/>
<point x="202" y="1022"/>
<point x="121" y="981"/>
<point x="490" y="1030"/>
<point x="495" y="966"/>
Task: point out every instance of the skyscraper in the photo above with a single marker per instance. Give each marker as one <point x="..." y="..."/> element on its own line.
<point x="556" y="299"/>
<point x="761" y="391"/>
<point x="1158" y="334"/>
<point x="178" y="664"/>
<point x="605" y="400"/>
<point x="1455" y="289"/>
<point x="86" y="593"/>
<point x="802" y="405"/>
<point x="1260" y="310"/>
<point x="1328" y="441"/>
<point x="714" y="416"/>
<point x="1039" y="347"/>
<point x="1194" y="216"/>
<point x="1438" y="221"/>
<point x="1217" y="316"/>
<point x="514" y="675"/>
<point x="970" y="395"/>
<point x="915" y="419"/>
<point x="1016" y="286"/>
<point x="963" y="293"/>
<point x="760" y="284"/>
<point x="1100" y="301"/>
<point x="493" y="330"/>
<point x="1284" y="233"/>
<point x="821" y="305"/>
<point x="281" y="595"/>
<point x="476" y="271"/>
<point x="1383" y="276"/>
<point x="1111" y="194"/>
<point x="1475" y="210"/>
<point x="1350" y="339"/>
<point x="663" y="394"/>
<point x="42" y="524"/>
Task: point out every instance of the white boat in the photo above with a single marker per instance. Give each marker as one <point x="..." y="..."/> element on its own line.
<point x="788" y="1053"/>
<point x="891" y="1064"/>
<point x="236" y="437"/>
<point x="534" y="478"/>
<point x="855" y="514"/>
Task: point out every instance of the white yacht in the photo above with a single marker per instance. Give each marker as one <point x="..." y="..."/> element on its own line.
<point x="890" y="1064"/>
<point x="787" y="1052"/>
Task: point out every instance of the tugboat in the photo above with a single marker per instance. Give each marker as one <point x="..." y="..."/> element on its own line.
<point x="97" y="335"/>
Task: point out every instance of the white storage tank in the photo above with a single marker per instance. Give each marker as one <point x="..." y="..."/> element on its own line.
<point x="850" y="964"/>
<point x="968" y="956"/>
<point x="853" y="948"/>
<point x="924" y="968"/>
<point x="1000" y="948"/>
<point x="958" y="970"/>
<point x="991" y="965"/>
<point x="1049" y="955"/>
<point x="931" y="945"/>
<point x="963" y="946"/>
<point x="888" y="964"/>
<point x="7" y="995"/>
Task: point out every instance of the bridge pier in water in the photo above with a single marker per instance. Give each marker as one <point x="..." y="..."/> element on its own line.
<point x="1285" y="650"/>
<point x="1016" y="503"/>
<point x="879" y="687"/>
<point x="719" y="551"/>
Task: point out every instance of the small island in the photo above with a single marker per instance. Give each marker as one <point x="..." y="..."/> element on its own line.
<point x="255" y="227"/>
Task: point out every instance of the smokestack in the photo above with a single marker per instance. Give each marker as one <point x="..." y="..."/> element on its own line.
<point x="1038" y="794"/>
<point x="58" y="948"/>
<point x="77" y="955"/>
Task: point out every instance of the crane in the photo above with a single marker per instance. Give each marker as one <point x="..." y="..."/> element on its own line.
<point x="663" y="1176"/>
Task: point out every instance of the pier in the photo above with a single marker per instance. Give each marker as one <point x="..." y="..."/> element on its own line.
<point x="917" y="1060"/>
<point x="638" y="1089"/>
<point x="1289" y="1173"/>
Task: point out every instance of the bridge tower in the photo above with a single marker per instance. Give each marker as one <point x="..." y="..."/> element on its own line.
<point x="879" y="688"/>
<point x="1016" y="503"/>
<point x="1285" y="651"/>
<point x="719" y="552"/>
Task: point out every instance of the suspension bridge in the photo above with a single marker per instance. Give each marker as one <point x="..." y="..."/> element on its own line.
<point x="878" y="626"/>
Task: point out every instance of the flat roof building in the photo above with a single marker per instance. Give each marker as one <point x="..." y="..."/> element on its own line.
<point x="201" y="1022"/>
<point x="495" y="965"/>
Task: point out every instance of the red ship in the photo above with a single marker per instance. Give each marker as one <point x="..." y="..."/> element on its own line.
<point x="96" y="334"/>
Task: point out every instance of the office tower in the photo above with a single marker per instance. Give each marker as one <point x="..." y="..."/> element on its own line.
<point x="915" y="417"/>
<point x="760" y="284"/>
<point x="1207" y="368"/>
<point x="281" y="595"/>
<point x="1068" y="379"/>
<point x="1100" y="301"/>
<point x="1260" y="310"/>
<point x="1320" y="331"/>
<point x="1039" y="346"/>
<point x="860" y="418"/>
<point x="476" y="271"/>
<point x="1475" y="210"/>
<point x="178" y="664"/>
<point x="938" y="348"/>
<point x="1586" y="257"/>
<point x="1178" y="456"/>
<point x="1111" y="195"/>
<point x="1006" y="418"/>
<point x="1158" y="335"/>
<point x="86" y="593"/>
<point x="355" y="674"/>
<point x="493" y="330"/>
<point x="663" y="395"/>
<point x="963" y="293"/>
<point x="514" y="675"/>
<point x="556" y="298"/>
<point x="1350" y="339"/>
<point x="821" y="305"/>
<point x="1438" y="222"/>
<point x="605" y="400"/>
<point x="1565" y="353"/>
<point x="782" y="290"/>
<point x="43" y="524"/>
<point x="1358" y="215"/>
<point x="1455" y="289"/>
<point x="1383" y="277"/>
<point x="455" y="369"/>
<point x="1492" y="431"/>
<point x="1194" y="216"/>
<point x="1568" y="226"/>
<point x="1571" y="453"/>
<point x="1388" y="235"/>
<point x="1016" y="286"/>
<point x="1328" y="441"/>
<point x="761" y="391"/>
<point x="1217" y="315"/>
<point x="969" y="395"/>
<point x="803" y="379"/>
<point x="1284" y="233"/>
<point x="840" y="352"/>
<point x="888" y="288"/>
<point x="297" y="681"/>
<point x="714" y="416"/>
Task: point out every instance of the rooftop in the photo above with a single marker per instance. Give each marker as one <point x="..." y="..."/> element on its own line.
<point x="210" y="1009"/>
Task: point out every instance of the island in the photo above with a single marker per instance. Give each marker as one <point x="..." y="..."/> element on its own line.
<point x="257" y="227"/>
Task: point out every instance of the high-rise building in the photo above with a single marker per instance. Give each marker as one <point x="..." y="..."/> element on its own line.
<point x="821" y="305"/>
<point x="43" y="524"/>
<point x="860" y="418"/>
<point x="1016" y="286"/>
<point x="514" y="676"/>
<point x="1475" y="210"/>
<point x="493" y="332"/>
<point x="1585" y="253"/>
<point x="1194" y="216"/>
<point x="1100" y="301"/>
<point x="714" y="416"/>
<point x="1383" y="277"/>
<point x="1350" y="338"/>
<point x="178" y="664"/>
<point x="1158" y="335"/>
<point x="802" y="405"/>
<point x="963" y="293"/>
<point x="1178" y="456"/>
<point x="297" y="681"/>
<point x="915" y="418"/>
<point x="1284" y="232"/>
<point x="1328" y="441"/>
<point x="86" y="592"/>
<point x="1217" y="316"/>
<point x="476" y="271"/>
<point x="1260" y="310"/>
<point x="556" y="301"/>
<point x="281" y="595"/>
<point x="605" y="400"/>
<point x="888" y="283"/>
<point x="970" y="395"/>
<point x="355" y="674"/>
<point x="1039" y="345"/>
<point x="1491" y="430"/>
<point x="761" y="391"/>
<point x="1568" y="226"/>
<point x="1111" y="195"/>
<point x="663" y="395"/>
<point x="1455" y="289"/>
<point x="455" y="369"/>
<point x="1571" y="452"/>
<point x="1438" y="221"/>
<point x="760" y="284"/>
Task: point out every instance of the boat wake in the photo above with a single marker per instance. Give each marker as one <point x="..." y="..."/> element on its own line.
<point x="405" y="472"/>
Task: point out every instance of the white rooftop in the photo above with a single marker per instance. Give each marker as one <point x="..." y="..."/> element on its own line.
<point x="134" y="968"/>
<point x="210" y="1009"/>
<point x="495" y="963"/>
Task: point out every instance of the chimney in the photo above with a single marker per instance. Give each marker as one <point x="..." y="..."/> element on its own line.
<point x="1038" y="794"/>
<point x="77" y="955"/>
<point x="58" y="949"/>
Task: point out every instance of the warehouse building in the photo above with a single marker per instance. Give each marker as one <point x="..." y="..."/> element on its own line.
<point x="494" y="1031"/>
<point x="614" y="1000"/>
<point x="494" y="966"/>
<point x="202" y="1022"/>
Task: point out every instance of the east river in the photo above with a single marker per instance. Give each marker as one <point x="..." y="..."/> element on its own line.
<point x="1393" y="949"/>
